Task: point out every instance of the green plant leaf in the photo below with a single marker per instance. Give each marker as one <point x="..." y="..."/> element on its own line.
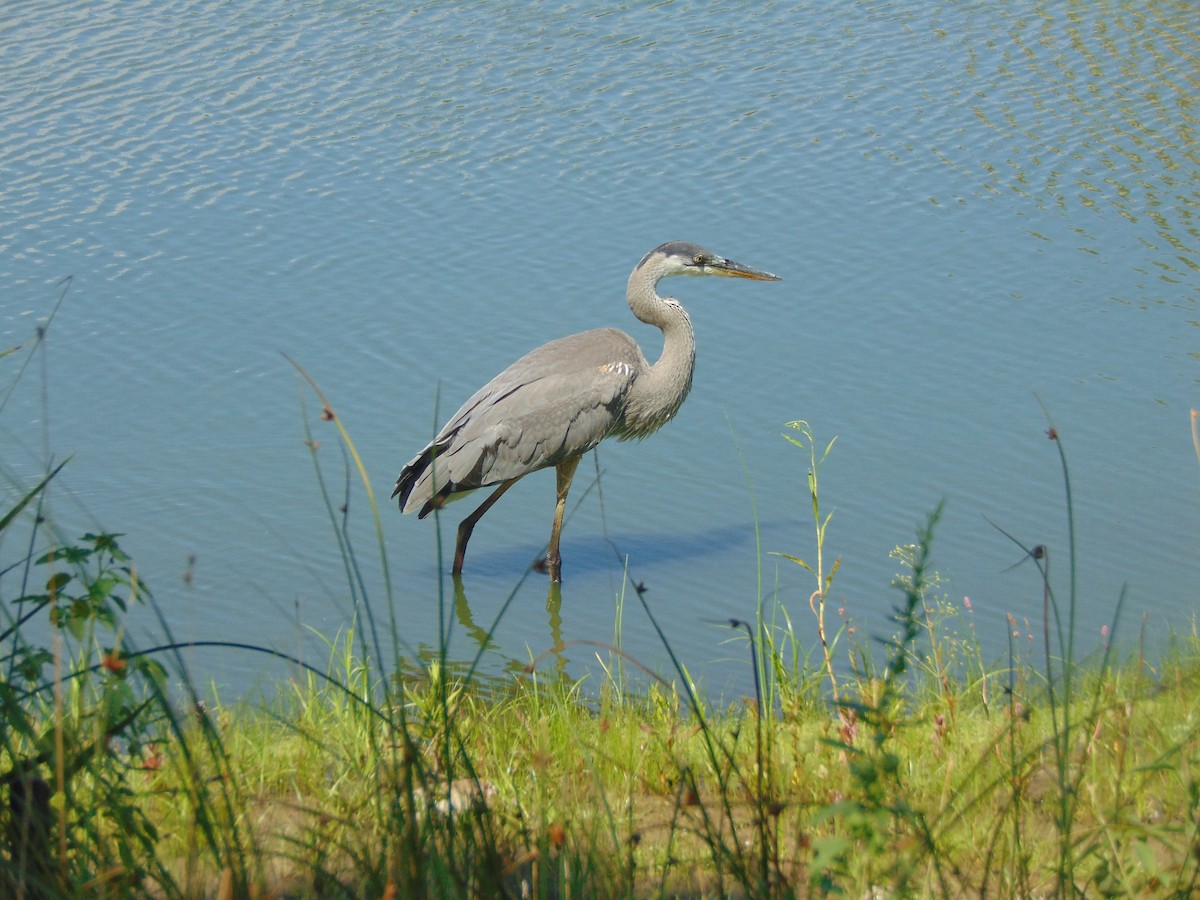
<point x="828" y="852"/>
<point x="71" y="555"/>
<point x="1146" y="858"/>
<point x="797" y="560"/>
<point x="24" y="501"/>
<point x="56" y="582"/>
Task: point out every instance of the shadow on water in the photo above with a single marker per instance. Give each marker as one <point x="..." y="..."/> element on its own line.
<point x="597" y="553"/>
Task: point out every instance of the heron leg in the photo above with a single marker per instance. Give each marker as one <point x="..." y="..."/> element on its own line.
<point x="566" y="472"/>
<point x="467" y="525"/>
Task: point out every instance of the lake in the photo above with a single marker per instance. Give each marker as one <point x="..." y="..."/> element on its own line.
<point x="985" y="217"/>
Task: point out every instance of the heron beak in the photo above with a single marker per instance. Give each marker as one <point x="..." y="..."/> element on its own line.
<point x="730" y="269"/>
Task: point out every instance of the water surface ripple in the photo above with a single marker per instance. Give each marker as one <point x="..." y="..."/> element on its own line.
<point x="977" y="211"/>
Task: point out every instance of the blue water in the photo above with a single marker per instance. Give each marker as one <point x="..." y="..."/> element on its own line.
<point x="978" y="212"/>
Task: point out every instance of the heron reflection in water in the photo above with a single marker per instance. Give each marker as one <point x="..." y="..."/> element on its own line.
<point x="559" y="401"/>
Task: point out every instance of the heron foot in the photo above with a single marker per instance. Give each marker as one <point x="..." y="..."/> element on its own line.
<point x="548" y="567"/>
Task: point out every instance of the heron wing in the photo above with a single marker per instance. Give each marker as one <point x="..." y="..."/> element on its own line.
<point x="556" y="402"/>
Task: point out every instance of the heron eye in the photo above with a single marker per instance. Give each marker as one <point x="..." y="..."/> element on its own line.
<point x="698" y="259"/>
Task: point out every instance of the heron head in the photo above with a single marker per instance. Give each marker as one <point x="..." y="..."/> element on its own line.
<point x="685" y="258"/>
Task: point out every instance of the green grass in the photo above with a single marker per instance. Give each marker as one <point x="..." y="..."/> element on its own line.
<point x="907" y="767"/>
<point x="605" y="794"/>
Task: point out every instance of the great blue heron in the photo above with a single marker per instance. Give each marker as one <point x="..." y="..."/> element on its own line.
<point x="559" y="401"/>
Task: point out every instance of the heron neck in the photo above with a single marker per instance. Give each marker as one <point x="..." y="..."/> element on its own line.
<point x="659" y="391"/>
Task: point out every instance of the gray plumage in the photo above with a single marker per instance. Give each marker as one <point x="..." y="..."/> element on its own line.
<point x="559" y="401"/>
